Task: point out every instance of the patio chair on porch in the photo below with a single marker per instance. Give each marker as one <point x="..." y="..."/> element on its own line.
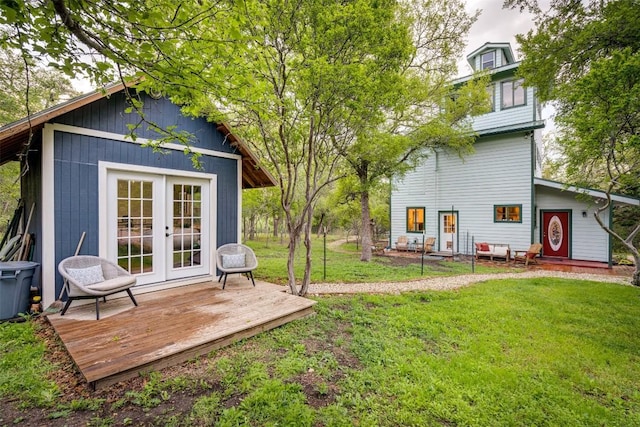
<point x="92" y="277"/>
<point x="528" y="256"/>
<point x="428" y="244"/>
<point x="236" y="258"/>
<point x="402" y="244"/>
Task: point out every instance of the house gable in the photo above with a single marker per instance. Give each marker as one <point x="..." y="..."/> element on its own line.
<point x="491" y="56"/>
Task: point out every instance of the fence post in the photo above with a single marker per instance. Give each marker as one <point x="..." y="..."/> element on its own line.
<point x="473" y="258"/>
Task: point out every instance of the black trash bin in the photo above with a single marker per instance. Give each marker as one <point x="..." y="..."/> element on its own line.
<point x="15" y="284"/>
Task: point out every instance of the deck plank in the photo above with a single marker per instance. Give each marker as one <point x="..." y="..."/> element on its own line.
<point x="170" y="326"/>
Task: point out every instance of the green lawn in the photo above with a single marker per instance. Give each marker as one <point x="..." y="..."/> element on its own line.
<point x="534" y="352"/>
<point x="344" y="266"/>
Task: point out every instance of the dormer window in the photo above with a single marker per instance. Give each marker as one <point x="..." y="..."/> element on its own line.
<point x="488" y="60"/>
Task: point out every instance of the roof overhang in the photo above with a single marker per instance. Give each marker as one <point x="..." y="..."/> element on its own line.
<point x="253" y="175"/>
<point x="519" y="127"/>
<point x="596" y="194"/>
<point x="15" y="137"/>
<point x="495" y="73"/>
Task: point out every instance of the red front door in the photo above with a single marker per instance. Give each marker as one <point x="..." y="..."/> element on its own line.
<point x="555" y="233"/>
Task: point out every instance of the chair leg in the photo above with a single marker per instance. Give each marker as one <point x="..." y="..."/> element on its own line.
<point x="97" y="308"/>
<point x="66" y="306"/>
<point x="225" y="281"/>
<point x="132" y="298"/>
<point x="252" y="281"/>
<point x="220" y="278"/>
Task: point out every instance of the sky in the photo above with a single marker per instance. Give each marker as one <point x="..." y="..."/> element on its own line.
<point x="494" y="24"/>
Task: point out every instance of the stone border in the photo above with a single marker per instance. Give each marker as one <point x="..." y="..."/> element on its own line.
<point x="451" y="282"/>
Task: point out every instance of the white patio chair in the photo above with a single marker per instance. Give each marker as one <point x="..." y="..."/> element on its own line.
<point x="236" y="258"/>
<point x="89" y="277"/>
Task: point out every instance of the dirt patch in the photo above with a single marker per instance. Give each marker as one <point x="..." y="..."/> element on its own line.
<point x="121" y="403"/>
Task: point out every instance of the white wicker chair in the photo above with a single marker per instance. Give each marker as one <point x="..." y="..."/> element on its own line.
<point x="89" y="277"/>
<point x="236" y="258"/>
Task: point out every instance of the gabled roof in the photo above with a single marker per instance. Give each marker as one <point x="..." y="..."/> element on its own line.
<point x="15" y="136"/>
<point x="504" y="46"/>
<point x="597" y="194"/>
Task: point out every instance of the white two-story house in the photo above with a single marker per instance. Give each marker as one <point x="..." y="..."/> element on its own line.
<point x="496" y="194"/>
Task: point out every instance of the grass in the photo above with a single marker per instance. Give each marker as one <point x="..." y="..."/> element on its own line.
<point x="344" y="266"/>
<point x="543" y="352"/>
<point x="23" y="371"/>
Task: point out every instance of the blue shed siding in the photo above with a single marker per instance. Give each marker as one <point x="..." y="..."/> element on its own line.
<point x="108" y="115"/>
<point x="76" y="171"/>
<point x="31" y="191"/>
<point x="76" y="186"/>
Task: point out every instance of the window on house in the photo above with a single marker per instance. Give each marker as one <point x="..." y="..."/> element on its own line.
<point x="513" y="93"/>
<point x="507" y="213"/>
<point x="415" y="220"/>
<point x="488" y="60"/>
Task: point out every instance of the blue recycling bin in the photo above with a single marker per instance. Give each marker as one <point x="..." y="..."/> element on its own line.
<point x="15" y="284"/>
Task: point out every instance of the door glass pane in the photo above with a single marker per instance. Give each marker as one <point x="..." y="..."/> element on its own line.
<point x="187" y="217"/>
<point x="135" y="216"/>
<point x="449" y="224"/>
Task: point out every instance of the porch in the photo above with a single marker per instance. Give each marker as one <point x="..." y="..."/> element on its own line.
<point x="171" y="326"/>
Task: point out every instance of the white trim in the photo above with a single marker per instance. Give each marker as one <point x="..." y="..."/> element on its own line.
<point x="152" y="170"/>
<point x="593" y="193"/>
<point x="104" y="168"/>
<point x="140" y="141"/>
<point x="47" y="184"/>
<point x="239" y="237"/>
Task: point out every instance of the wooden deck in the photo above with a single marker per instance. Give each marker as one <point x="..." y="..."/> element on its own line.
<point x="171" y="326"/>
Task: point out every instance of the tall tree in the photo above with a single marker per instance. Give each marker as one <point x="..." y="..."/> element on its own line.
<point x="419" y="114"/>
<point x="299" y="76"/>
<point x="23" y="89"/>
<point x="585" y="57"/>
<point x="318" y="67"/>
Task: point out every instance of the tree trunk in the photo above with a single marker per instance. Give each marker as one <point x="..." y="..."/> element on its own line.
<point x="365" y="232"/>
<point x="276" y="222"/>
<point x="628" y="242"/>
<point x="252" y="227"/>
<point x="290" y="264"/>
<point x="307" y="266"/>
<point x="244" y="229"/>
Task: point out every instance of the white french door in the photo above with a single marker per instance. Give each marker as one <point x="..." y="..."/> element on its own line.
<point x="187" y="230"/>
<point x="448" y="231"/>
<point x="158" y="227"/>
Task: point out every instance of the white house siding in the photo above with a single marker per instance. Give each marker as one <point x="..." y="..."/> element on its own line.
<point x="498" y="173"/>
<point x="588" y="241"/>
<point x="509" y="116"/>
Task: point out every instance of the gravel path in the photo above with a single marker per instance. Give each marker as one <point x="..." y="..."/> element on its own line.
<point x="450" y="282"/>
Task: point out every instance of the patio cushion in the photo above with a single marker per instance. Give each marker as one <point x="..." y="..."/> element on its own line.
<point x="123" y="282"/>
<point x="87" y="275"/>
<point x="233" y="261"/>
<point x="500" y="251"/>
<point x="484" y="247"/>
